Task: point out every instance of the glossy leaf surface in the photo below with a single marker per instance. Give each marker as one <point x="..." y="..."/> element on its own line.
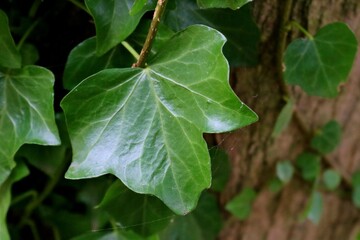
<point x="241" y="205"/>
<point x="26" y="112"/>
<point x="327" y="138"/>
<point x="113" y="21"/>
<point x="309" y="165"/>
<point x="141" y="213"/>
<point x="320" y="64"/>
<point x="238" y="27"/>
<point x="220" y="169"/>
<point x="145" y="125"/>
<point x="19" y="172"/>
<point x="83" y="62"/>
<point x="233" y="4"/>
<point x="140" y="5"/>
<point x="9" y="55"/>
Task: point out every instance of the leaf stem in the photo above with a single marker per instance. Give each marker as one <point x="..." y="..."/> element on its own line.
<point x="131" y="50"/>
<point x="27" y="33"/>
<point x="159" y="10"/>
<point x="79" y="5"/>
<point x="303" y="30"/>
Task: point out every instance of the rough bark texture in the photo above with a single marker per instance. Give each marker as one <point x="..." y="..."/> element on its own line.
<point x="254" y="153"/>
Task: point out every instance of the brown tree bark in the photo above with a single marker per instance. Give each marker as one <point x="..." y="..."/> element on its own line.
<point x="254" y="153"/>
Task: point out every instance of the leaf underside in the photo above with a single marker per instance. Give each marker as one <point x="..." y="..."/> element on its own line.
<point x="145" y="125"/>
<point x="319" y="65"/>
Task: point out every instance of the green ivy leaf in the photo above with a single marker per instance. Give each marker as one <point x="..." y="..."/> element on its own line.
<point x="233" y="4"/>
<point x="220" y="169"/>
<point x="19" y="172"/>
<point x="143" y="214"/>
<point x="240" y="206"/>
<point x="145" y="125"/>
<point x="331" y="179"/>
<point x="309" y="165"/>
<point x="238" y="27"/>
<point x="115" y="235"/>
<point x="27" y="115"/>
<point x="355" y="181"/>
<point x="320" y="64"/>
<point x="204" y="223"/>
<point x="315" y="207"/>
<point x="29" y="54"/>
<point x="327" y="138"/>
<point x="83" y="62"/>
<point x="284" y="118"/>
<point x="10" y="56"/>
<point x="140" y="5"/>
<point x="113" y="21"/>
<point x="284" y="171"/>
<point x="275" y="185"/>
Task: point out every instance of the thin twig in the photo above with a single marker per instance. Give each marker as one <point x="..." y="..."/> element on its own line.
<point x="159" y="10"/>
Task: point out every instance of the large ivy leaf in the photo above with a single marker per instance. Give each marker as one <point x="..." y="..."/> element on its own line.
<point x="320" y="64"/>
<point x="26" y="112"/>
<point x="10" y="56"/>
<point x="145" y="125"/>
<point x="19" y="172"/>
<point x="144" y="214"/>
<point x="238" y="27"/>
<point x="83" y="62"/>
<point x="233" y="4"/>
<point x="113" y="21"/>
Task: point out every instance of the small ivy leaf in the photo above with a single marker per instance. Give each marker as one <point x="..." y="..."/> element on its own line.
<point x="309" y="165"/>
<point x="83" y="62"/>
<point x="284" y="171"/>
<point x="275" y="185"/>
<point x="315" y="207"/>
<point x="204" y="223"/>
<point x="283" y="119"/>
<point x="327" y="138"/>
<point x="220" y="169"/>
<point x="26" y="112"/>
<point x="233" y="4"/>
<point x="19" y="172"/>
<point x="140" y="5"/>
<point x="331" y="179"/>
<point x="238" y="27"/>
<point x="144" y="214"/>
<point x="320" y="64"/>
<point x="10" y="56"/>
<point x="145" y="125"/>
<point x="113" y="21"/>
<point x="355" y="181"/>
<point x="240" y="206"/>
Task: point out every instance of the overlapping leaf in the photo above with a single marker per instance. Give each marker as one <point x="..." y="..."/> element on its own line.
<point x="26" y="112"/>
<point x="320" y="64"/>
<point x="9" y="56"/>
<point x="113" y="21"/>
<point x="238" y="27"/>
<point x="233" y="4"/>
<point x="145" y="125"/>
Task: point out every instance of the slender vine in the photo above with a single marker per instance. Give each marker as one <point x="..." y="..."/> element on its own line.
<point x="159" y="10"/>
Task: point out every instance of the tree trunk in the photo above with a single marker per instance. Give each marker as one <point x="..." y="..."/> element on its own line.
<point x="254" y="153"/>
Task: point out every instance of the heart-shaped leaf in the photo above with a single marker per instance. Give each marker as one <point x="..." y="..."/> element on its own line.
<point x="26" y="112"/>
<point x="233" y="4"/>
<point x="238" y="27"/>
<point x="113" y="21"/>
<point x="320" y="64"/>
<point x="9" y="55"/>
<point x="145" y="125"/>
